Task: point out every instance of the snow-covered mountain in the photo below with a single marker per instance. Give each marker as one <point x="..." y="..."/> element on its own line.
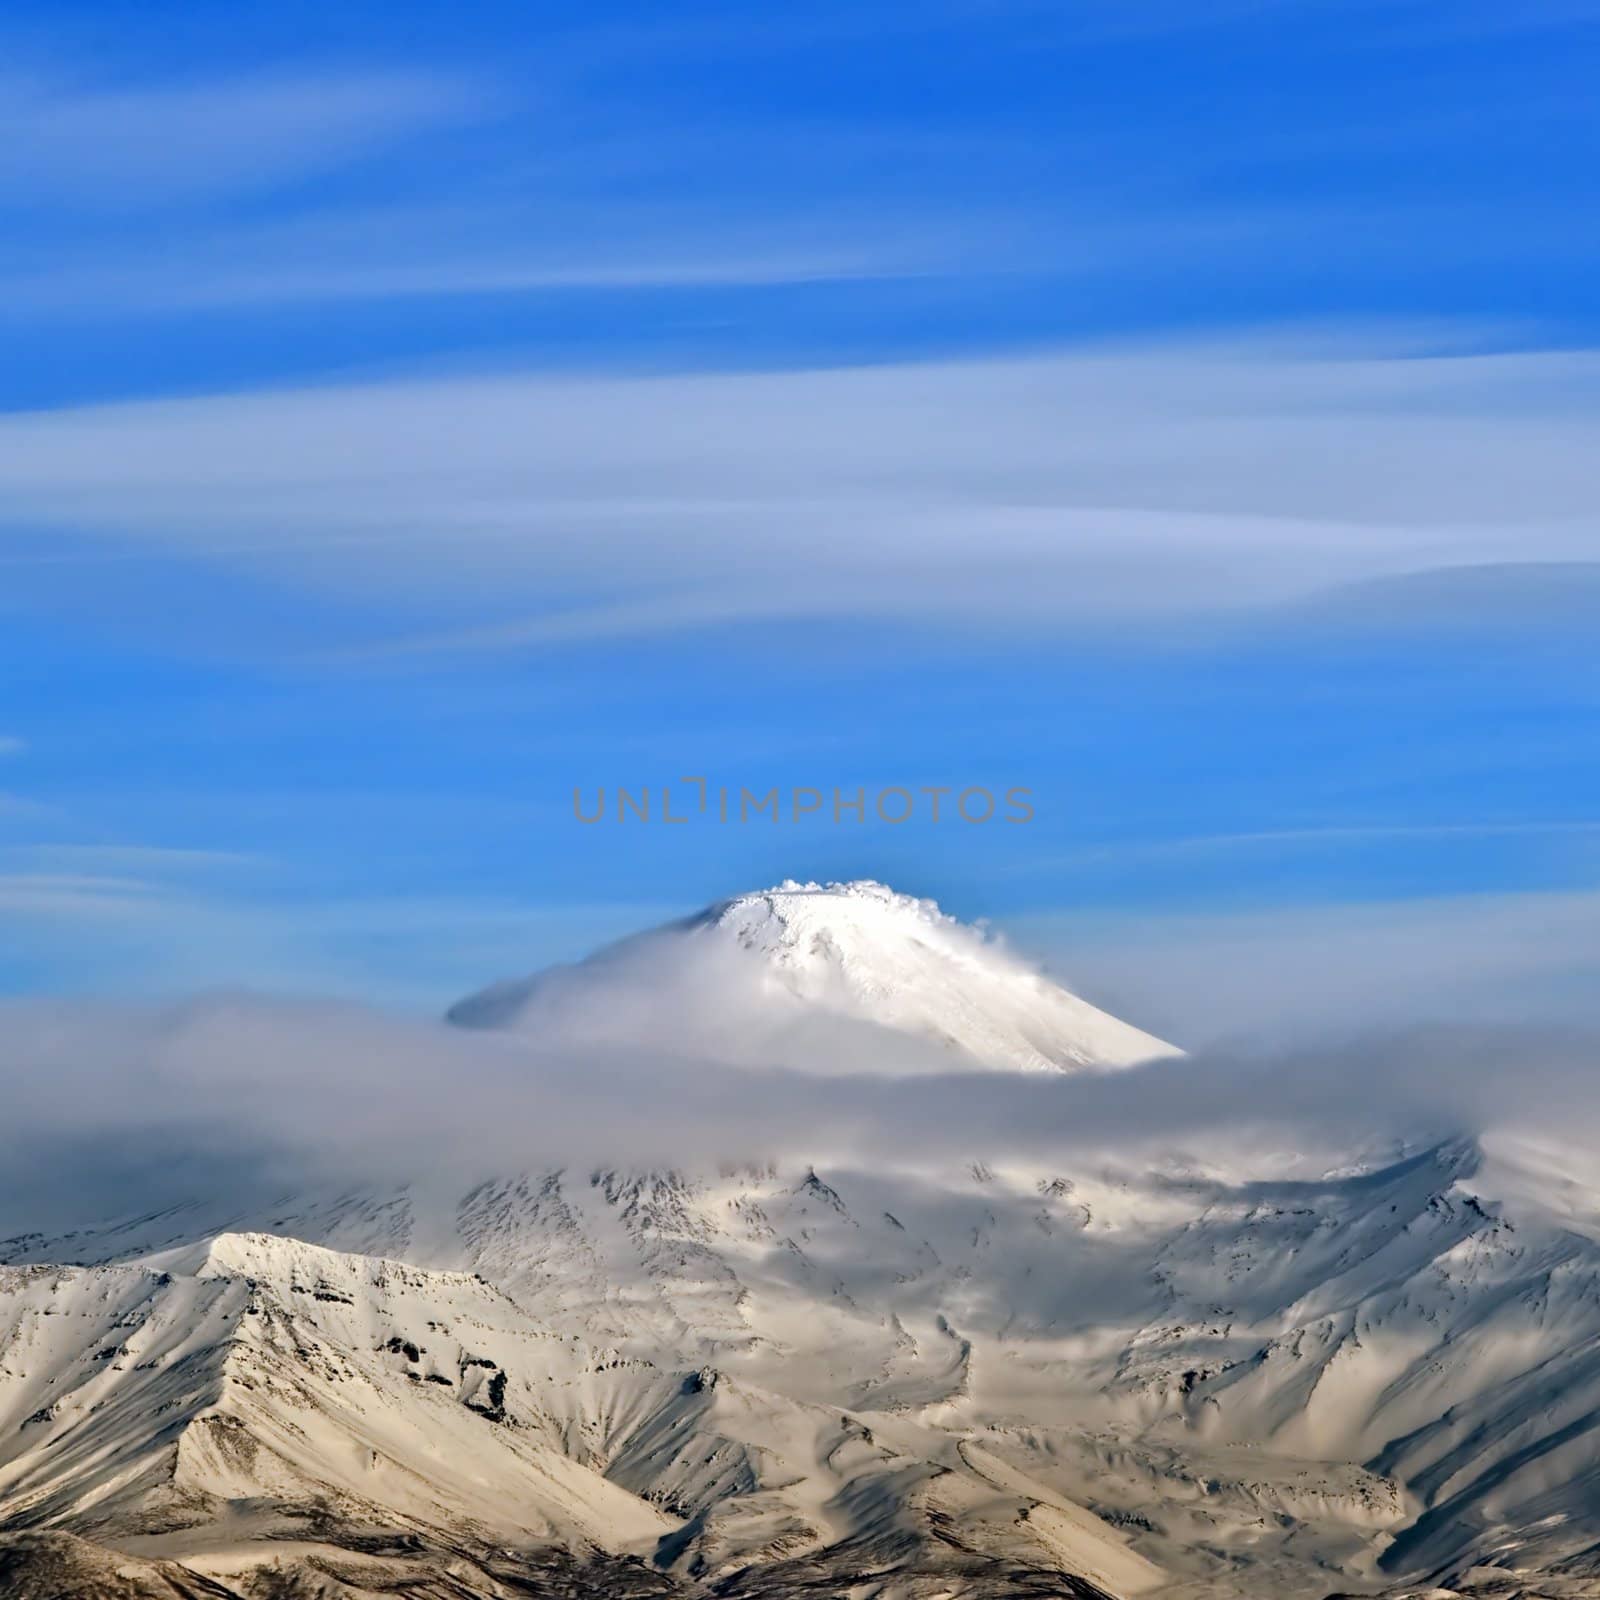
<point x="253" y="1401"/>
<point x="747" y="978"/>
<point x="1113" y="1373"/>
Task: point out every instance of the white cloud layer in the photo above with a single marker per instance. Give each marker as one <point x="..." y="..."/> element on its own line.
<point x="1061" y="490"/>
<point x="278" y="1092"/>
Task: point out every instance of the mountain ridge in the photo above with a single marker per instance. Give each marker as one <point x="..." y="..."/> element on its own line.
<point x="258" y="1391"/>
<point x="1103" y="1369"/>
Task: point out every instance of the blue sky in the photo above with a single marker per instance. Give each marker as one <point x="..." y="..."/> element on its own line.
<point x="1187" y="411"/>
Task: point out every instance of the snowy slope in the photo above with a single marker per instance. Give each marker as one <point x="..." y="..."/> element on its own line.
<point x="739" y="973"/>
<point x="1253" y="1380"/>
<point x="253" y="1398"/>
<point x="1117" y="1373"/>
<point x="142" y="1398"/>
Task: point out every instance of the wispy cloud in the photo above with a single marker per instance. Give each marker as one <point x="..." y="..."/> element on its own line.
<point x="1144" y="481"/>
<point x="71" y="894"/>
<point x="1329" y="834"/>
<point x="125" y="858"/>
<point x="21" y="806"/>
<point x="1474" y="960"/>
<point x="607" y="175"/>
<point x="10" y="745"/>
<point x="67" y="141"/>
<point x="132" y="286"/>
<point x="1351" y="23"/>
<point x="541" y="237"/>
<point x="135" y="919"/>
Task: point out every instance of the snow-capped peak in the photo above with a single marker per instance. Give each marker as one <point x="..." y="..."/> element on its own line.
<point x="783" y="957"/>
<point x="784" y="919"/>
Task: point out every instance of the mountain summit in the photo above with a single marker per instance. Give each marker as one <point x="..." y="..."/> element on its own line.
<point x="763" y="973"/>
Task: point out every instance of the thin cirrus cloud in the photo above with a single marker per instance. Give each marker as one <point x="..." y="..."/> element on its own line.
<point x="1297" y="972"/>
<point x="155" y="286"/>
<point x="143" y="923"/>
<point x="67" y="142"/>
<point x="603" y="181"/>
<point x="1144" y="481"/>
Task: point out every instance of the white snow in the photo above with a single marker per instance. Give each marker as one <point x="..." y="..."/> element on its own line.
<point x="745" y="977"/>
<point x="202" y="1402"/>
<point x="1217" y="1377"/>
